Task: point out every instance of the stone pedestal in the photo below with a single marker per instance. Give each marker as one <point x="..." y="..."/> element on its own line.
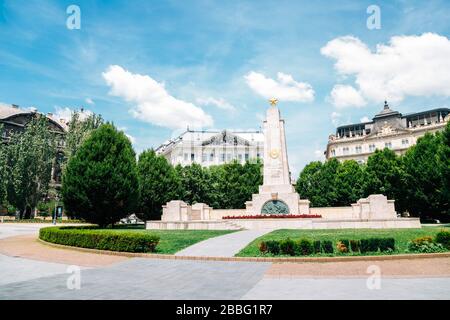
<point x="177" y="210"/>
<point x="375" y="206"/>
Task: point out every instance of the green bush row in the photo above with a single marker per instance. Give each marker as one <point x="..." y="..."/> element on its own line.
<point x="91" y="237"/>
<point x="427" y="244"/>
<point x="305" y="247"/>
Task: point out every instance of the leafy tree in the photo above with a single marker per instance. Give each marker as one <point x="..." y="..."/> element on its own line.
<point x="158" y="184"/>
<point x="30" y="158"/>
<point x="386" y="175"/>
<point x="3" y="169"/>
<point x="425" y="170"/>
<point x="317" y="183"/>
<point x="233" y="184"/>
<point x="79" y="129"/>
<point x="194" y="184"/>
<point x="100" y="183"/>
<point x="444" y="156"/>
<point x="349" y="183"/>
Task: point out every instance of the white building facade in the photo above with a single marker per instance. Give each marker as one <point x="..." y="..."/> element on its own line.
<point x="209" y="148"/>
<point x="388" y="129"/>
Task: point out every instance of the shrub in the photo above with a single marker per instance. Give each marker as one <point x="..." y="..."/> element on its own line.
<point x="100" y="182"/>
<point x="317" y="246"/>
<point x="288" y="247"/>
<point x="263" y="247"/>
<point x="327" y="246"/>
<point x="425" y="245"/>
<point x="341" y="247"/>
<point x="370" y="245"/>
<point x="346" y="243"/>
<point x="88" y="237"/>
<point x="305" y="247"/>
<point x="443" y="237"/>
<point x="273" y="247"/>
<point x="387" y="244"/>
<point x="355" y="245"/>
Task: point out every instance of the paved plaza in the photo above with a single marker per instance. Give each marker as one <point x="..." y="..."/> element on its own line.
<point x="38" y="276"/>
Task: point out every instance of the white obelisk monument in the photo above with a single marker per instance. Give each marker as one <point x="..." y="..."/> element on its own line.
<point x="276" y="195"/>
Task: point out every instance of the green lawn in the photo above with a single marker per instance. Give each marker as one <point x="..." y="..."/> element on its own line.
<point x="172" y="241"/>
<point x="401" y="236"/>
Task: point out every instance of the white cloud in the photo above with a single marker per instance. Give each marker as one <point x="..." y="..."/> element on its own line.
<point x="285" y="88"/>
<point x="343" y="96"/>
<point x="129" y="136"/>
<point x="407" y="66"/>
<point x="319" y="154"/>
<point x="364" y="119"/>
<point x="335" y="118"/>
<point x="219" y="103"/>
<point x="89" y="101"/>
<point x="66" y="113"/>
<point x="153" y="103"/>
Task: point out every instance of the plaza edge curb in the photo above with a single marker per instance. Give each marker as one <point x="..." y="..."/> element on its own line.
<point x="252" y="259"/>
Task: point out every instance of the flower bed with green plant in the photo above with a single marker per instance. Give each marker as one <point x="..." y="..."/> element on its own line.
<point x="353" y="242"/>
<point x="93" y="238"/>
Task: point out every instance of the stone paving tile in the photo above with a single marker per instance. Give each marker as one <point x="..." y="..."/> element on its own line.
<point x="348" y="289"/>
<point x="223" y="246"/>
<point x="147" y="279"/>
<point x="431" y="267"/>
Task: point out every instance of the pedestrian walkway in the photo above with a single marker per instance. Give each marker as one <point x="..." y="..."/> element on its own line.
<point x="223" y="246"/>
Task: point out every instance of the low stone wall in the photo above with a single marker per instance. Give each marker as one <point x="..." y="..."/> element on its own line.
<point x="333" y="213"/>
<point x="217" y="214"/>
<point x="315" y="223"/>
<point x="191" y="225"/>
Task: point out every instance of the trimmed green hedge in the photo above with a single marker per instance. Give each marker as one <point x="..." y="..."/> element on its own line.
<point x="91" y="237"/>
<point x="306" y="247"/>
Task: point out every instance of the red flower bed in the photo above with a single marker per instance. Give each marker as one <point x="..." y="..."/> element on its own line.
<point x="275" y="216"/>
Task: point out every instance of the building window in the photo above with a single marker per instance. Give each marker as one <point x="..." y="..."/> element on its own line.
<point x="388" y="145"/>
<point x="211" y="157"/>
<point x="258" y="155"/>
<point x="246" y="157"/>
<point x="371" y="147"/>
<point x="192" y="157"/>
<point x="186" y="157"/>
<point x="345" y="150"/>
<point x="229" y="156"/>
<point x="222" y="157"/>
<point x="358" y="149"/>
<point x="240" y="157"/>
<point x="333" y="152"/>
<point x="405" y="142"/>
<point x="204" y="157"/>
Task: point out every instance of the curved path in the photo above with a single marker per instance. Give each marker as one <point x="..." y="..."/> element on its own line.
<point x="32" y="270"/>
<point x="223" y="246"/>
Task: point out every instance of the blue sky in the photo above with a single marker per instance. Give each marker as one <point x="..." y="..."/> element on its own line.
<point x="198" y="56"/>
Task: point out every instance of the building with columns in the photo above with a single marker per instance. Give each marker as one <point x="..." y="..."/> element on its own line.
<point x="213" y="147"/>
<point x="388" y="129"/>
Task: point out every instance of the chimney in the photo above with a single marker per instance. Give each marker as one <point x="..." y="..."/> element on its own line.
<point x="15" y="106"/>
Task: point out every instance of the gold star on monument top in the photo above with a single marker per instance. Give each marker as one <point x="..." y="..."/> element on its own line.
<point x="273" y="101"/>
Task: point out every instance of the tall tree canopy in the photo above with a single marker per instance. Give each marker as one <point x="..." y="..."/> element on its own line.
<point x="79" y="129"/>
<point x="100" y="183"/>
<point x="3" y="168"/>
<point x="158" y="184"/>
<point x="425" y="168"/>
<point x="30" y="157"/>
<point x="317" y="183"/>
